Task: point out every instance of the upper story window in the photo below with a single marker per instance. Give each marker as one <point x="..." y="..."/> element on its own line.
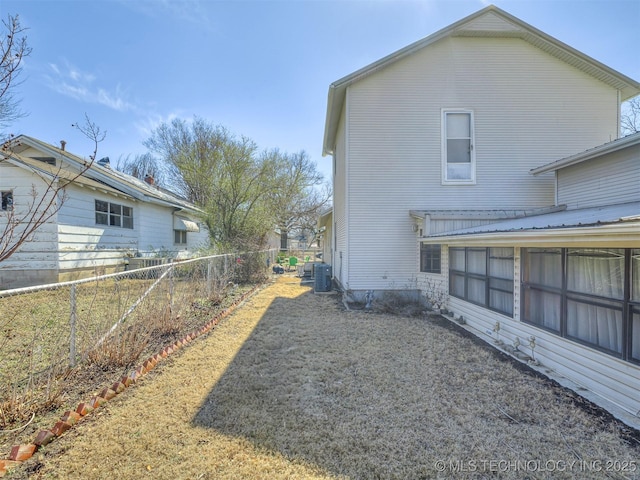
<point x="113" y="214"/>
<point x="458" y="155"/>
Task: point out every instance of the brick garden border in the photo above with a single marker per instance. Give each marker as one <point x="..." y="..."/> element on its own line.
<point x="21" y="453"/>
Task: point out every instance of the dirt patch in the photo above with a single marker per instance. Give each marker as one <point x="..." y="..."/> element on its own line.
<point x="293" y="386"/>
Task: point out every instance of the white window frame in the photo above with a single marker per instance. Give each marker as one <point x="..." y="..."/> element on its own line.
<point x="445" y="179"/>
<point x="114" y="217"/>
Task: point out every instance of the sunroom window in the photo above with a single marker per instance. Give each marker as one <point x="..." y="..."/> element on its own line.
<point x="590" y="295"/>
<point x="483" y="276"/>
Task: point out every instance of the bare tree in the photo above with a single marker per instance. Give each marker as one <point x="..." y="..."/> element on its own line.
<point x="299" y="197"/>
<point x="19" y="223"/>
<point x="13" y="50"/>
<point x="222" y="174"/>
<point x="93" y="132"/>
<point x="630" y="118"/>
<point x="143" y="166"/>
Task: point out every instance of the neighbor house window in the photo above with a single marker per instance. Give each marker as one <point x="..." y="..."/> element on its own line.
<point x="458" y="156"/>
<point x="588" y="295"/>
<point x="180" y="237"/>
<point x="429" y="258"/>
<point x="113" y="214"/>
<point x="483" y="276"/>
<point x="7" y="201"/>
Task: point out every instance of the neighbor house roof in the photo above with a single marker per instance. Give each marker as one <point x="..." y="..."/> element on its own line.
<point x="506" y="25"/>
<point x="95" y="175"/>
<point x="609" y="147"/>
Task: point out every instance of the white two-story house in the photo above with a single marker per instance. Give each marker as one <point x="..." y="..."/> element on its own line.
<point x="481" y="168"/>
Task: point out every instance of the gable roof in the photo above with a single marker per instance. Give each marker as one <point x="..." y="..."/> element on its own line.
<point x="488" y="22"/>
<point x="95" y="175"/>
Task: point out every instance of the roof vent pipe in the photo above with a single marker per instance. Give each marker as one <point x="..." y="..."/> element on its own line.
<point x="63" y="144"/>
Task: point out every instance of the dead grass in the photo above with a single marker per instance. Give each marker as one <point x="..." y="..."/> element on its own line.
<point x="293" y="386"/>
<point x="37" y="401"/>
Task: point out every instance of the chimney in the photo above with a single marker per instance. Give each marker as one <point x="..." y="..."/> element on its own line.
<point x="63" y="143"/>
<point x="149" y="179"/>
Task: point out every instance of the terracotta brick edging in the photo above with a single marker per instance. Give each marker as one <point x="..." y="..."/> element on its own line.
<point x="20" y="453"/>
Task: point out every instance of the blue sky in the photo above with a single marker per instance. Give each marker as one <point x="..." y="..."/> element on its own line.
<point x="260" y="68"/>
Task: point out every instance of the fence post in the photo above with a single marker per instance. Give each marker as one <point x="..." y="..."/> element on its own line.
<point x="72" y="334"/>
<point x="209" y="278"/>
<point x="171" y="291"/>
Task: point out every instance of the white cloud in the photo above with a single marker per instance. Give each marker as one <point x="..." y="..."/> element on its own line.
<point x="68" y="80"/>
<point x="189" y="11"/>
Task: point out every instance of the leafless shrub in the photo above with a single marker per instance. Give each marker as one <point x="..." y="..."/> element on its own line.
<point x="122" y="349"/>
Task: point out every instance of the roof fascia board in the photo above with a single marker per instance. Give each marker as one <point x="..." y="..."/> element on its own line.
<point x="78" y="163"/>
<point x="338" y="87"/>
<point x="504" y="214"/>
<point x="95" y="174"/>
<point x="17" y="162"/>
<point x="556" y="45"/>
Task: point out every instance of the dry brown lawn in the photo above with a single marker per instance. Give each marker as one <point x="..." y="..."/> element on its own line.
<point x="293" y="386"/>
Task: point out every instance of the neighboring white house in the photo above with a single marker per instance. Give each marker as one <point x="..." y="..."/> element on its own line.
<point x="105" y="217"/>
<point x="439" y="192"/>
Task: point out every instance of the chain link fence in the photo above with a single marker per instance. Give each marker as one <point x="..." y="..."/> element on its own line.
<point x="53" y="337"/>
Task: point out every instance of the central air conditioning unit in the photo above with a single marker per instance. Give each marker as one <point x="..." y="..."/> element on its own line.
<point x="322" y="278"/>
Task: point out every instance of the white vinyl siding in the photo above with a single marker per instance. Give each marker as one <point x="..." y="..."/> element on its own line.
<point x="340" y="195"/>
<point x="84" y="244"/>
<point x="458" y="155"/>
<point x="393" y="142"/>
<point x="156" y="229"/>
<point x="36" y="252"/>
<point x="608" y="180"/>
<point x="609" y="377"/>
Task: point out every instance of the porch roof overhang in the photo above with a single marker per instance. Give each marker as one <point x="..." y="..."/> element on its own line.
<point x="610" y="225"/>
<point x="184" y="224"/>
